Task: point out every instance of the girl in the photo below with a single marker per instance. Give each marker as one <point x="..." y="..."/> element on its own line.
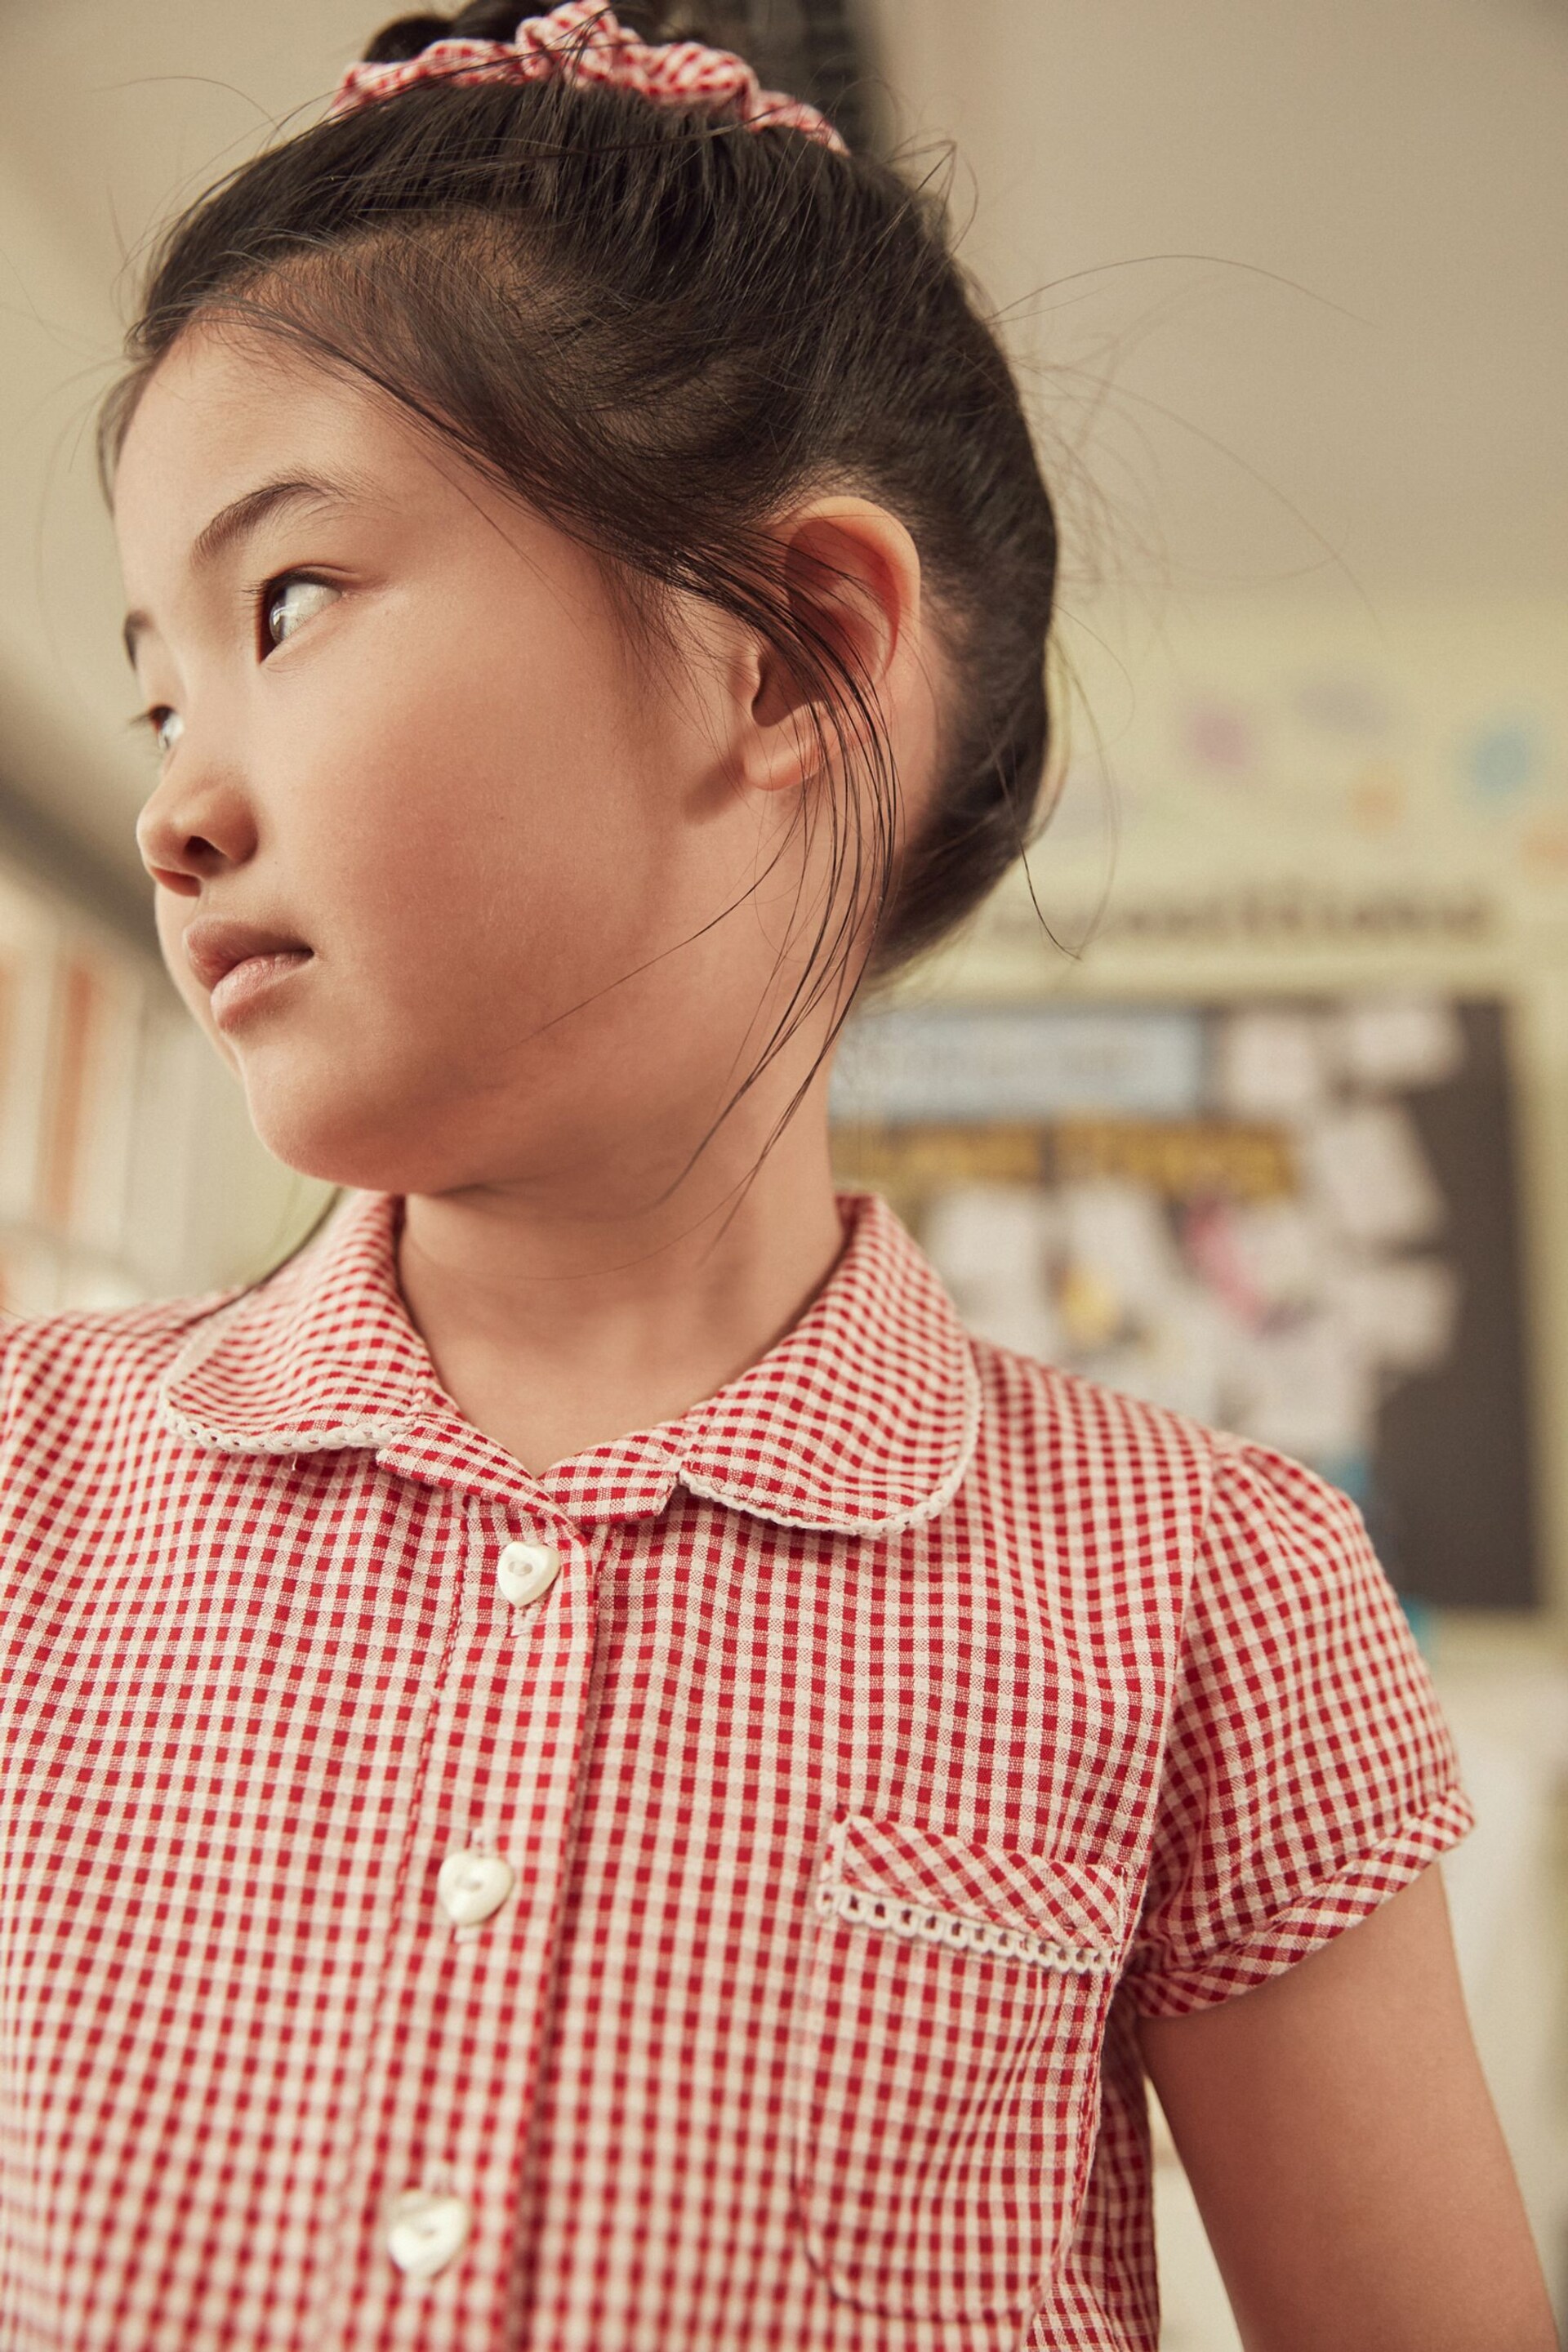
<point x="584" y="1769"/>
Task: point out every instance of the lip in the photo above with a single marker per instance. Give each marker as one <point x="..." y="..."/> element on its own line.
<point x="239" y="964"/>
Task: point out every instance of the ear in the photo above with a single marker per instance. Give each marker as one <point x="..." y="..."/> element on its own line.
<point x="852" y="574"/>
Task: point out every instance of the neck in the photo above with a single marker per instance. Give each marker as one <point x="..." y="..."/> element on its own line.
<point x="553" y="1332"/>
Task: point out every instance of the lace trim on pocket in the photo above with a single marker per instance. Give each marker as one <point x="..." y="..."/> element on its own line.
<point x="919" y="1924"/>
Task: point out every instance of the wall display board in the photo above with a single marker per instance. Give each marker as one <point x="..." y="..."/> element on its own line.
<point x="1274" y="798"/>
<point x="1292" y="1216"/>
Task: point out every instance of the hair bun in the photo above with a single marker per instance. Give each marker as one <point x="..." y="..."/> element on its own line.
<point x="498" y="20"/>
<point x="677" y="24"/>
<point x="397" y="42"/>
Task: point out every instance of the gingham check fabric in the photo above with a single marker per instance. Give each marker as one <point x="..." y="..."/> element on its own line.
<point x="902" y="1721"/>
<point x="582" y="42"/>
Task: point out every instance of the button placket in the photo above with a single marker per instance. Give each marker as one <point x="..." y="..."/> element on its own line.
<point x="429" y="2224"/>
<point x="497" y="1776"/>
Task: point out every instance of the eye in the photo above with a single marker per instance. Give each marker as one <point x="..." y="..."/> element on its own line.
<point x="167" y="727"/>
<point x="286" y="604"/>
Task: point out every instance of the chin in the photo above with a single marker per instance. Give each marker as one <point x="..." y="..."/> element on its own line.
<point x="348" y="1135"/>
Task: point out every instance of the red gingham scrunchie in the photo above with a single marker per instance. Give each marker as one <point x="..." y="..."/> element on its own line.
<point x="582" y="42"/>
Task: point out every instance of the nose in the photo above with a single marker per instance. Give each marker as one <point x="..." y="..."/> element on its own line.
<point x="198" y="823"/>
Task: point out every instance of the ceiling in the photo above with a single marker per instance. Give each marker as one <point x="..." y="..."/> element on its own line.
<point x="1286" y="280"/>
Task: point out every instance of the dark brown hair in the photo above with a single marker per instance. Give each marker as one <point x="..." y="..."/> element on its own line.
<point x="657" y="328"/>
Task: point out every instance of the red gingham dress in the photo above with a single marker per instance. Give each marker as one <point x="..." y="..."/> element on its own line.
<point x="881" y="1736"/>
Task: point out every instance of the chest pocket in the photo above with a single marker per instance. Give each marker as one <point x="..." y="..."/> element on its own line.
<point x="945" y="2067"/>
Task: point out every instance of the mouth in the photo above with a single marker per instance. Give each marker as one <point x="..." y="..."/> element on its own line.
<point x="240" y="963"/>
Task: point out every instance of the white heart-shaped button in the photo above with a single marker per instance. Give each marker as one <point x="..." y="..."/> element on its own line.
<point x="470" y="1886"/>
<point x="527" y="1570"/>
<point x="424" y="2231"/>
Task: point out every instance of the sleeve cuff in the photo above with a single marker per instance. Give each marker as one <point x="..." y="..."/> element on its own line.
<point x="1277" y="1944"/>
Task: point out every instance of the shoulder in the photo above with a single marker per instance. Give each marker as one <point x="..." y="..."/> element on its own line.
<point x="1238" y="1507"/>
<point x="1078" y="1425"/>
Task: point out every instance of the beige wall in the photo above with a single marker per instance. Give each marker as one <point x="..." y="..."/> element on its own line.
<point x="1290" y="274"/>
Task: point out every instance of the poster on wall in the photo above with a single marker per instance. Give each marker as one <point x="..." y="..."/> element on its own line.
<point x="1293" y="1218"/>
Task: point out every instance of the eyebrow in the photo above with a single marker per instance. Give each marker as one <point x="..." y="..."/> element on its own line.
<point x="233" y="522"/>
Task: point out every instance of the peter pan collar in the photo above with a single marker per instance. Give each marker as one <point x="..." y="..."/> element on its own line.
<point x="862" y="1419"/>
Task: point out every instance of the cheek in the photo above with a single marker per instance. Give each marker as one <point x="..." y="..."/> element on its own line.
<point x="482" y="794"/>
<point x="472" y="839"/>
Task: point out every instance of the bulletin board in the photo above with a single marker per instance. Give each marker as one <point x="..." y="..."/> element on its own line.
<point x="1292" y="1216"/>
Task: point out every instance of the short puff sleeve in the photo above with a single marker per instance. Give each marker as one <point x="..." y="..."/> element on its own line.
<point x="1309" y="1773"/>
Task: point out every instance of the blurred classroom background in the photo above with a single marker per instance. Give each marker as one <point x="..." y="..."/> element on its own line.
<point x="1252" y="1094"/>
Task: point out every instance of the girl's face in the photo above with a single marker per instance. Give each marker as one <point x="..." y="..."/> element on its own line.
<point x="438" y="856"/>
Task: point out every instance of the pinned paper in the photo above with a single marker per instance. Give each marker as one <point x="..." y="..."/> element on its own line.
<point x="1263" y="1256"/>
<point x="1393" y="1042"/>
<point x="1307" y="1389"/>
<point x="986" y="1243"/>
<point x="1270" y="1064"/>
<point x="986" y="1237"/>
<point x="1369" y="1172"/>
<point x="1116" y="1233"/>
<point x="1209" y="1244"/>
<point x="1024" y="1322"/>
<point x="1180" y="1360"/>
<point x="1401" y="1311"/>
<point x="904" y="1065"/>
